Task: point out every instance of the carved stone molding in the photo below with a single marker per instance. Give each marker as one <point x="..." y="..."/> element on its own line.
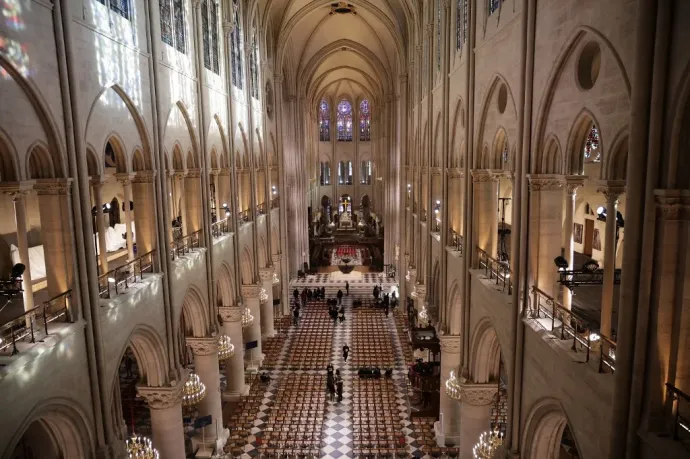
<point x="612" y="189"/>
<point x="420" y="291"/>
<point x="402" y="78"/>
<point x="451" y="343"/>
<point x="278" y="78"/>
<point x="251" y="291"/>
<point x="225" y="172"/>
<point x="478" y="394"/>
<point x="266" y="273"/>
<point x="215" y="171"/>
<point x="203" y="346"/>
<point x="429" y="29"/>
<point x="672" y="204"/>
<point x="53" y="187"/>
<point x="276" y="258"/>
<point x="144" y="177"/>
<point x="455" y="172"/>
<point x="573" y="182"/>
<point x="194" y="173"/>
<point x="230" y="313"/>
<point x="545" y="182"/>
<point x="124" y="179"/>
<point x="98" y="180"/>
<point x="435" y="171"/>
<point x="482" y="176"/>
<point x="160" y="398"/>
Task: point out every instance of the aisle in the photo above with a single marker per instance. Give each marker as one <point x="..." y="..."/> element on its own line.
<point x="292" y="414"/>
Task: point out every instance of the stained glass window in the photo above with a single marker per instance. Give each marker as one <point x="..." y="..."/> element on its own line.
<point x="365" y="173"/>
<point x="324" y="121"/>
<point x="494" y="5"/>
<point x="344" y="121"/>
<point x="325" y="173"/>
<point x="505" y="152"/>
<point x="214" y="37"/>
<point x="178" y="16"/>
<point x="236" y="52"/>
<point x="591" y="147"/>
<point x="205" y="34"/>
<point x="345" y="173"/>
<point x="438" y="35"/>
<point x="364" y="121"/>
<point x="461" y="23"/>
<point x="166" y="23"/>
<point x="121" y="7"/>
<point x="253" y="69"/>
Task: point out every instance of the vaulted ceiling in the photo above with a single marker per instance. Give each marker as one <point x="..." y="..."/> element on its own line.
<point x="332" y="48"/>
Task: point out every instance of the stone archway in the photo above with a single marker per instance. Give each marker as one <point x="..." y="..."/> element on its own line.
<point x="55" y="429"/>
<point x="485" y="353"/>
<point x="544" y="431"/>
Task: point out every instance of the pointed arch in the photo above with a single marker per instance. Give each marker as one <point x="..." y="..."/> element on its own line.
<point x="500" y="157"/>
<point x="39" y="164"/>
<point x="226" y="286"/>
<point x="9" y="171"/>
<point x="194" y="313"/>
<point x="578" y="135"/>
<point x="485" y="352"/>
<point x="92" y="163"/>
<point x="497" y="82"/>
<point x="149" y="350"/>
<point x="457" y="135"/>
<point x="114" y="153"/>
<point x="616" y="162"/>
<point x="247" y="267"/>
<point x="193" y="137"/>
<point x="551" y="161"/>
<point x="138" y="161"/>
<point x="544" y="428"/>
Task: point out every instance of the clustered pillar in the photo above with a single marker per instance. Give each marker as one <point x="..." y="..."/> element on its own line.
<point x="267" y="327"/>
<point x="475" y="414"/>
<point x="234" y="366"/>
<point x="251" y="294"/>
<point x="165" y="404"/>
<point x="449" y="423"/>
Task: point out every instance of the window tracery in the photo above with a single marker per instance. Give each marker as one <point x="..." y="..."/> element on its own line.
<point x="591" y="148"/>
<point x="178" y="23"/>
<point x="461" y="23"/>
<point x="344" y="121"/>
<point x="494" y="5"/>
<point x="236" y="50"/>
<point x="324" y="121"/>
<point x="253" y="68"/>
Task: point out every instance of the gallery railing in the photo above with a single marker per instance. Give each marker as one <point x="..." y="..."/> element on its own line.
<point x="185" y="244"/>
<point x="455" y="240"/>
<point x="220" y="227"/>
<point x="680" y="413"/>
<point x="495" y="269"/>
<point x="275" y="202"/>
<point x="118" y="280"/>
<point x="261" y="209"/>
<point x="573" y="278"/>
<point x="35" y="320"/>
<point x="244" y="217"/>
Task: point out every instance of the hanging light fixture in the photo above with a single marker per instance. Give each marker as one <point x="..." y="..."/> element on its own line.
<point x="194" y="391"/>
<point x="276" y="280"/>
<point x="488" y="445"/>
<point x="247" y="318"/>
<point x="453" y="386"/>
<point x="424" y="316"/>
<point x="263" y="297"/>
<point x="141" y="448"/>
<point x="225" y="348"/>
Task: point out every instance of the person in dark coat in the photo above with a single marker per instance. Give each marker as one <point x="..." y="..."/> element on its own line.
<point x="339" y="387"/>
<point x="340" y="296"/>
<point x="341" y="314"/>
<point x="346" y="352"/>
<point x="323" y="293"/>
<point x="304" y="296"/>
<point x="295" y="316"/>
<point x="376" y="292"/>
<point x="347" y="288"/>
<point x="310" y="295"/>
<point x="295" y="293"/>
<point x="385" y="309"/>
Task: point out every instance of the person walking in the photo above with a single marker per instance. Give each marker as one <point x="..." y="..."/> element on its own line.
<point x="339" y="295"/>
<point x="341" y="314"/>
<point x="339" y="386"/>
<point x="347" y="288"/>
<point x="295" y="316"/>
<point x="346" y="352"/>
<point x="376" y="292"/>
<point x="323" y="293"/>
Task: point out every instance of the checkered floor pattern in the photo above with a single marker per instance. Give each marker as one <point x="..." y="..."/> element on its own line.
<point x="344" y="430"/>
<point x="324" y="279"/>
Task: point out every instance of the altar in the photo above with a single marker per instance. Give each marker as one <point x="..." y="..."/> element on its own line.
<point x="346" y="220"/>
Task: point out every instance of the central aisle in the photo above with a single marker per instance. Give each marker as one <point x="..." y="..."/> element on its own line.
<point x="293" y="414"/>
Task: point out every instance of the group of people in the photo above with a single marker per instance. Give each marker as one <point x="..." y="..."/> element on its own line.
<point x="334" y="383"/>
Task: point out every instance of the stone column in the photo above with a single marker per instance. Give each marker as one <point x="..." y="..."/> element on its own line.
<point x="96" y="186"/>
<point x="572" y="183"/>
<point x="144" y="214"/>
<point x="234" y="366"/>
<point x="546" y="207"/>
<point x="126" y="182"/>
<point x="612" y="191"/>
<point x="448" y="427"/>
<point x="56" y="232"/>
<point x="207" y="368"/>
<point x="165" y="404"/>
<point x="215" y="173"/>
<point x="18" y="196"/>
<point x="419" y="297"/>
<point x="267" y="328"/>
<point x="250" y="294"/>
<point x="485" y="231"/>
<point x="475" y="414"/>
<point x="182" y="201"/>
<point x="194" y="204"/>
<point x="282" y="309"/>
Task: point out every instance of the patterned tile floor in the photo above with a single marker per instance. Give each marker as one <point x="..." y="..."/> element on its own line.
<point x="338" y="429"/>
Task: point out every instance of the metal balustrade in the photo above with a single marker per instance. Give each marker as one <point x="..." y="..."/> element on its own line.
<point x="34" y="321"/>
<point x="546" y="310"/>
<point x="495" y="269"/>
<point x="455" y="240"/>
<point x="275" y="202"/>
<point x="220" y="227"/>
<point x="244" y="217"/>
<point x="185" y="244"/>
<point x="261" y="209"/>
<point x="680" y="414"/>
<point x="119" y="279"/>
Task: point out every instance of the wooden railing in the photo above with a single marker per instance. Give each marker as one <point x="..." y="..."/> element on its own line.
<point x="680" y="413"/>
<point x="455" y="240"/>
<point x="220" y="227"/>
<point x="35" y="320"/>
<point x="495" y="269"/>
<point x="185" y="244"/>
<point x="119" y="279"/>
<point x="573" y="327"/>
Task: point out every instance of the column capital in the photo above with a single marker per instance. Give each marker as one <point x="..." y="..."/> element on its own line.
<point x="53" y="187"/>
<point x="478" y="394"/>
<point x="251" y="291"/>
<point x="612" y="189"/>
<point x="193" y="173"/>
<point x="429" y="29"/>
<point x="215" y="171"/>
<point x="124" y="178"/>
<point x="98" y="180"/>
<point x="544" y="182"/>
<point x="16" y="189"/>
<point x="230" y="313"/>
<point x="672" y="204"/>
<point x="266" y="273"/>
<point x="275" y="258"/>
<point x="573" y="182"/>
<point x="179" y="174"/>
<point x="203" y="346"/>
<point x="160" y="398"/>
<point x="402" y="78"/>
<point x="451" y="343"/>
<point x="455" y="172"/>
<point x="144" y="177"/>
<point x="482" y="176"/>
<point x="419" y="292"/>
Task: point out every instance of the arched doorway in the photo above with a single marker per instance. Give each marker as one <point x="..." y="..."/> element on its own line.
<point x="547" y="433"/>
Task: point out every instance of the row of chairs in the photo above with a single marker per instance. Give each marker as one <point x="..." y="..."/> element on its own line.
<point x="372" y="343"/>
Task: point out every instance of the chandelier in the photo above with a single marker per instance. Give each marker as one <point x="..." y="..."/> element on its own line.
<point x="194" y="391"/>
<point x="453" y="386"/>
<point x="141" y="448"/>
<point x="488" y="445"/>
<point x="225" y="348"/>
<point x="424" y="316"/>
<point x="263" y="296"/>
<point x="247" y="318"/>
